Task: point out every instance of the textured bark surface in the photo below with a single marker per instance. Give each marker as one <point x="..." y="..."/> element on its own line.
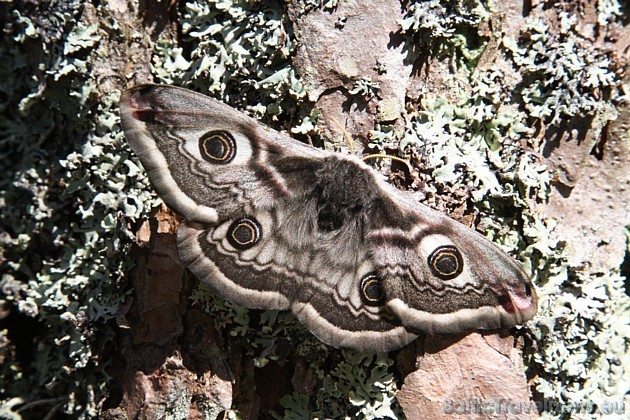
<point x="170" y="358"/>
<point x="333" y="48"/>
<point x="460" y="377"/>
<point x="336" y="48"/>
<point x="593" y="196"/>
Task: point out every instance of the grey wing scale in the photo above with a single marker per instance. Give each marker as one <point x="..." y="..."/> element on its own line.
<point x="166" y="126"/>
<point x="441" y="279"/>
<point x="273" y="224"/>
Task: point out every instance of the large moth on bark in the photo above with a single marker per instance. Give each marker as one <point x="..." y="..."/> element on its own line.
<point x="271" y="223"/>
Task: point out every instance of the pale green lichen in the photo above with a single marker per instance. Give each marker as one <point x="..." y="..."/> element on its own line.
<point x="361" y="385"/>
<point x="447" y="28"/>
<point x="474" y="143"/>
<point x="75" y="182"/>
<point x="563" y="76"/>
<point x="62" y="249"/>
<point x="306" y="6"/>
<point x="582" y="331"/>
<point x="365" y="87"/>
<point x="581" y="334"/>
<point x="240" y="53"/>
<point x="269" y="338"/>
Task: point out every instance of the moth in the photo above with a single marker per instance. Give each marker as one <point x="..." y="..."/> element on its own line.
<point x="271" y="223"/>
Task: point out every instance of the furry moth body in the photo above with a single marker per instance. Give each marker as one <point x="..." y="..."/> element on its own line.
<point x="271" y="223"/>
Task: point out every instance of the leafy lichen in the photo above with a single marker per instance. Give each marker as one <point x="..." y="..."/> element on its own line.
<point x="74" y="183"/>
<point x="475" y="143"/>
<point x="361" y="385"/>
<point x="62" y="251"/>
<point x="240" y="52"/>
<point x="365" y="87"/>
<point x="563" y="76"/>
<point x="450" y="28"/>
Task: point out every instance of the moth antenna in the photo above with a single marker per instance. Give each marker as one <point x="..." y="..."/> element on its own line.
<point x="345" y="134"/>
<point x="383" y="156"/>
<point x="351" y="145"/>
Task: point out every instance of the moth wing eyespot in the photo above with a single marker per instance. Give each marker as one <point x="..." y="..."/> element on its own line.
<point x="244" y="233"/>
<point x="446" y="262"/>
<point x="372" y="292"/>
<point x="218" y="147"/>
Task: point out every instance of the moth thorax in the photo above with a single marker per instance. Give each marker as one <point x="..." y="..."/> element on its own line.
<point x="344" y="189"/>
